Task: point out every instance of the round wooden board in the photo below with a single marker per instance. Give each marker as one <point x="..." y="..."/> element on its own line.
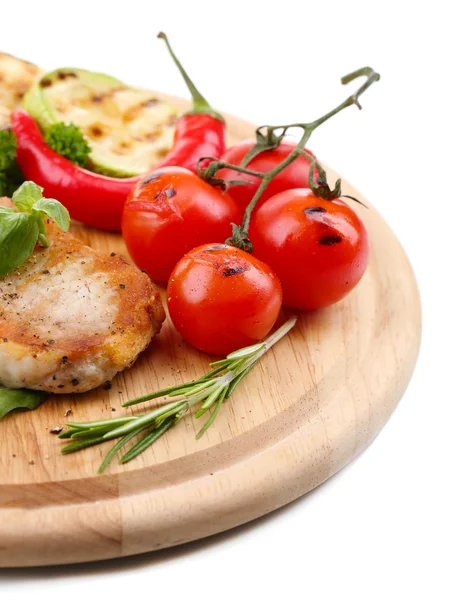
<point x="313" y="403"/>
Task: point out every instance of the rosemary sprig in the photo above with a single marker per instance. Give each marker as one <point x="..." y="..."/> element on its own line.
<point x="210" y="391"/>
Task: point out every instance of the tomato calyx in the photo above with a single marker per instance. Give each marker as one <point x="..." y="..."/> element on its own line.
<point x="320" y="187"/>
<point x="324" y="192"/>
<point x="266" y="139"/>
<point x="239" y="239"/>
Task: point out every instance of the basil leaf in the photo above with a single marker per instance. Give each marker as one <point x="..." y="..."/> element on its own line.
<point x="13" y="399"/>
<point x="5" y="209"/>
<point x="54" y="209"/>
<point x="18" y="237"/>
<point x="26" y="195"/>
<point x="20" y="231"/>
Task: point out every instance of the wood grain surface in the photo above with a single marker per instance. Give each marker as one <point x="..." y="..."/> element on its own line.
<point x="312" y="404"/>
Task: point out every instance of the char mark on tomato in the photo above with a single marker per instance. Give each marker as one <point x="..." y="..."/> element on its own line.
<point x="229" y="271"/>
<point x="314" y="209"/>
<point x="330" y="240"/>
<point x="169" y="193"/>
<point x="151" y="177"/>
<point x="214" y="248"/>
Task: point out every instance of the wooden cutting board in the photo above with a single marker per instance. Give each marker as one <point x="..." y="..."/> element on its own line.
<point x="313" y="403"/>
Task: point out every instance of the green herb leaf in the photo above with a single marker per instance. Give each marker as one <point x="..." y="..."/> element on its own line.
<point x="7" y="210"/>
<point x="18" y="236"/>
<point x="68" y="141"/>
<point x="54" y="209"/>
<point x="246" y="352"/>
<point x="21" y="230"/>
<point x="26" y="195"/>
<point x="14" y="399"/>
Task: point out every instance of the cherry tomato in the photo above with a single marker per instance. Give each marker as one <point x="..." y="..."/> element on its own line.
<point x="170" y="212"/>
<point x="221" y="299"/>
<point x="296" y="175"/>
<point x="318" y="248"/>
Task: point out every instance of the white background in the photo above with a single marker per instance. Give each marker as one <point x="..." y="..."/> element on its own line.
<point x="396" y="523"/>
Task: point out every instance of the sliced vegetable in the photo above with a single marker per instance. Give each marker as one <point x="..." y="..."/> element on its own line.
<point x="16" y="76"/>
<point x="22" y="229"/>
<point x="19" y="399"/>
<point x="210" y="391"/>
<point x="129" y="130"/>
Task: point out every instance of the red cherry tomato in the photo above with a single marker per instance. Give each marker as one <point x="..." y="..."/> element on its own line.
<point x="170" y="212"/>
<point x="318" y="248"/>
<point x="221" y="299"/>
<point x="296" y="175"/>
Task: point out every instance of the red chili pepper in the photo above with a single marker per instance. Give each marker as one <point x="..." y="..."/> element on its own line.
<point x="98" y="200"/>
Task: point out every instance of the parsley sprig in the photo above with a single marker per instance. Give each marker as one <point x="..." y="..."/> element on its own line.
<point x="68" y="141"/>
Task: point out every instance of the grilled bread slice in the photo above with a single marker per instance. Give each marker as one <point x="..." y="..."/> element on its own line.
<point x="71" y="318"/>
<point x="16" y="76"/>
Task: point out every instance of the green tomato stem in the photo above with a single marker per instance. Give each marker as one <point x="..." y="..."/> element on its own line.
<point x="240" y="235"/>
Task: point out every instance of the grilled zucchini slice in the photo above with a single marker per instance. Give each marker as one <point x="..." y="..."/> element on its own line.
<point x="16" y="76"/>
<point x="129" y="130"/>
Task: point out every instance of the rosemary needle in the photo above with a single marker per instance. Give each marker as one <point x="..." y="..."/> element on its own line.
<point x="210" y="391"/>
